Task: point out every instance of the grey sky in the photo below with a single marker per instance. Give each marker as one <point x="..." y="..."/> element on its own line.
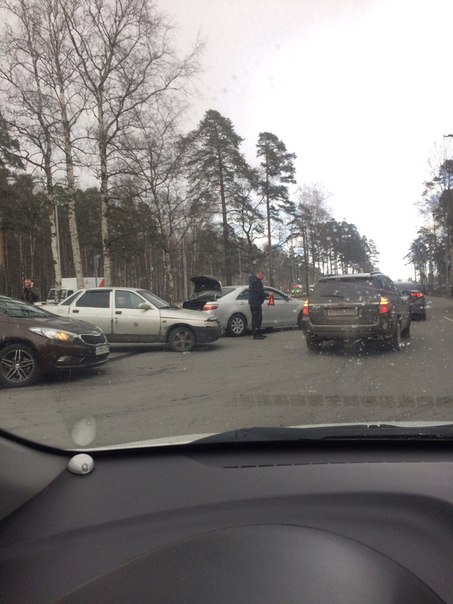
<point x="360" y="90"/>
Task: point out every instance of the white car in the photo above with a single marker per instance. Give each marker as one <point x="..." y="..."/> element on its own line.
<point x="131" y="315"/>
<point x="233" y="311"/>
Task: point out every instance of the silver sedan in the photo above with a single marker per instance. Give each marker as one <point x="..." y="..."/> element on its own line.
<point x="233" y="310"/>
<point x="130" y="315"/>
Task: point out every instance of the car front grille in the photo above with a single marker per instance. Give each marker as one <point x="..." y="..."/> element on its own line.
<point x="92" y="339"/>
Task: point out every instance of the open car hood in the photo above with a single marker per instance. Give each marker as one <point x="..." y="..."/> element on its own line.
<point x="205" y="282"/>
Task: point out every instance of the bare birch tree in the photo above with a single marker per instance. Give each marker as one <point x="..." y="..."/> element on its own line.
<point x="126" y="61"/>
<point x="29" y="109"/>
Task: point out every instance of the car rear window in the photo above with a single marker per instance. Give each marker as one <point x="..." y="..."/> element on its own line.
<point x="361" y="289"/>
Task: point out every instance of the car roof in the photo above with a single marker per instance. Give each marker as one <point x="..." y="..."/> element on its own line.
<point x="352" y="276"/>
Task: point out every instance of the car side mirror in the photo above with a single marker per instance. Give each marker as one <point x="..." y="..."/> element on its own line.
<point x="144" y="306"/>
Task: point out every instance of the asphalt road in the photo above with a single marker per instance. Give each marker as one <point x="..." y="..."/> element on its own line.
<point x="240" y="382"/>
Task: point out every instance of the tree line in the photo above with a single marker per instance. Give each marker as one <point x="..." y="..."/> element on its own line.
<point x="97" y="177"/>
<point x="431" y="252"/>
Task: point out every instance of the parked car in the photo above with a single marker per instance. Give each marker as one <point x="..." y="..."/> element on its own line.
<point x="233" y="311"/>
<point x="415" y="294"/>
<point x="205" y="289"/>
<point x="35" y="341"/>
<point x="131" y="315"/>
<point x="365" y="306"/>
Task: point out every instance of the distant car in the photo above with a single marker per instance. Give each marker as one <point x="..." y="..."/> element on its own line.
<point x="131" y="315"/>
<point x="233" y="311"/>
<point x="416" y="297"/>
<point x="205" y="289"/>
<point x="35" y="341"/>
<point x="366" y="306"/>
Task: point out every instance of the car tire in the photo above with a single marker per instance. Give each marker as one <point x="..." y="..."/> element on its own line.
<point x="18" y="366"/>
<point x="423" y="317"/>
<point x="237" y="325"/>
<point x="406" y="333"/>
<point x="394" y="342"/>
<point x="313" y="343"/>
<point x="182" y="339"/>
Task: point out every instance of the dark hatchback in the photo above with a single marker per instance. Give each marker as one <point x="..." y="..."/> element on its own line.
<point x="416" y="297"/>
<point x="366" y="306"/>
<point x="33" y="341"/>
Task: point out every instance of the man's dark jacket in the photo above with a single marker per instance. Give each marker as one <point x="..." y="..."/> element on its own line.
<point x="256" y="291"/>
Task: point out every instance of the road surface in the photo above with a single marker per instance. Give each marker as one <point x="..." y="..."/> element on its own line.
<point x="241" y="382"/>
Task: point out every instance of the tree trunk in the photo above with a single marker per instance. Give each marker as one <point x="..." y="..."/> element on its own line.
<point x="73" y="231"/>
<point x="226" y="238"/>
<point x="104" y="195"/>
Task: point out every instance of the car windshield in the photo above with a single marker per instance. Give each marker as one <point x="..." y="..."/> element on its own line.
<point x="292" y="157"/>
<point x="21" y="310"/>
<point x="155" y="300"/>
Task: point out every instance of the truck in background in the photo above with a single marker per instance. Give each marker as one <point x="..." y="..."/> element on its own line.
<point x="69" y="286"/>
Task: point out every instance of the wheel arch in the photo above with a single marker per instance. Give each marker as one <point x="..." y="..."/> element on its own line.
<point x="178" y="326"/>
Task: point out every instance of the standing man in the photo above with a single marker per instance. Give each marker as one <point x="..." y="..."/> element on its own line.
<point x="29" y="294"/>
<point x="256" y="299"/>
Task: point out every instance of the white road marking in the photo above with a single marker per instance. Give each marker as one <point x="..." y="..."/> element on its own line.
<point x="448" y="319"/>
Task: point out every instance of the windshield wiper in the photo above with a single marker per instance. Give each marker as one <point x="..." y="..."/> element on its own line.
<point x="335" y="432"/>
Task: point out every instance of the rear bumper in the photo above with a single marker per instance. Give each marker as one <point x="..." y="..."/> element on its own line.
<point x="374" y="331"/>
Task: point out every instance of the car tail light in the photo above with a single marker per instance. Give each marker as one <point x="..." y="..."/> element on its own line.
<point x="384" y="305"/>
<point x="306" y="309"/>
<point x="209" y="306"/>
<point x="416" y="294"/>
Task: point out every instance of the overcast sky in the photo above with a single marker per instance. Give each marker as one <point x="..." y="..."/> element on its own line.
<point x="360" y="90"/>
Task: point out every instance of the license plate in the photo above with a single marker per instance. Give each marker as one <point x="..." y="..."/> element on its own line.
<point x="102" y="349"/>
<point x="342" y="312"/>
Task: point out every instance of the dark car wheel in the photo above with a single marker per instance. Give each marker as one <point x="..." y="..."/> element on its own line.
<point x="237" y="325"/>
<point x="423" y="317"/>
<point x="394" y="343"/>
<point x="18" y="366"/>
<point x="313" y="343"/>
<point x="182" y="339"/>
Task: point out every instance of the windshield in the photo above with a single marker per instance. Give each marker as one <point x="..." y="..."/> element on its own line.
<point x="21" y="310"/>
<point x="296" y="154"/>
<point x="155" y="300"/>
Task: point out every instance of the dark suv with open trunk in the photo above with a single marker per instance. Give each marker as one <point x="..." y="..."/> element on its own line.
<point x="362" y="306"/>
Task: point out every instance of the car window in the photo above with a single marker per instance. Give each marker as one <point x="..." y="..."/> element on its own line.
<point x="244" y="295"/>
<point x="70" y="299"/>
<point x="225" y="291"/>
<point x="277" y="295"/>
<point x="94" y="299"/>
<point x="126" y="299"/>
<point x="347" y="288"/>
<point x="192" y="144"/>
<point x="15" y="308"/>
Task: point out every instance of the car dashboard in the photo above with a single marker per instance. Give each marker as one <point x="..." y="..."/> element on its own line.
<point x="314" y="522"/>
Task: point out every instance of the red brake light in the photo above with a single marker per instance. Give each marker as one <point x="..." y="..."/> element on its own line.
<point x="384" y="305"/>
<point x="210" y="306"/>
<point x="306" y="309"/>
<point x="416" y="294"/>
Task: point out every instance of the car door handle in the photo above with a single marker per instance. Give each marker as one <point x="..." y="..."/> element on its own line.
<point x="75" y="311"/>
<point x="118" y="312"/>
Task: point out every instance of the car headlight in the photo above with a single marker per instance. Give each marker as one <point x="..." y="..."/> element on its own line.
<point x="55" y="334"/>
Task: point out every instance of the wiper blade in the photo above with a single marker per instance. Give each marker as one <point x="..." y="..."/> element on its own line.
<point x="333" y="432"/>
